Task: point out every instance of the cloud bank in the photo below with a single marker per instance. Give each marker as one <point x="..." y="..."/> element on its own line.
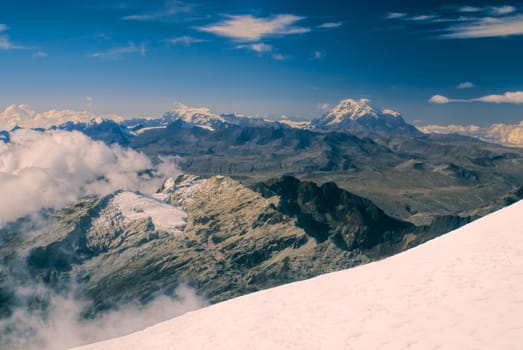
<point x="51" y="169"/>
<point x="25" y="117"/>
<point x="505" y="134"/>
<point x="63" y="326"/>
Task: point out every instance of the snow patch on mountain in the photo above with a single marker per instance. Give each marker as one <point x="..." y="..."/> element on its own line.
<point x="127" y="207"/>
<point x="459" y="291"/>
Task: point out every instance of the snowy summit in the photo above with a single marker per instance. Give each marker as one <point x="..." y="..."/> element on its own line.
<point x="350" y="109"/>
<point x="459" y="291"/>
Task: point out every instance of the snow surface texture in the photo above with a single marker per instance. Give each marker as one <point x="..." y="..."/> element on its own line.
<point x="459" y="291"/>
<point x="127" y="207"/>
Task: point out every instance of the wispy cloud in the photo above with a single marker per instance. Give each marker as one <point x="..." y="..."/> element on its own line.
<point x="395" y="15"/>
<point x="250" y="28"/>
<point x="486" y="27"/>
<point x="493" y="10"/>
<point x="469" y="9"/>
<point x="256" y="47"/>
<point x="502" y="10"/>
<point x="468" y="22"/>
<point x="120" y="51"/>
<point x="7" y="44"/>
<point x="330" y="25"/>
<point x="185" y="40"/>
<point x="318" y="55"/>
<point x="465" y="85"/>
<point x="281" y="57"/>
<point x="40" y="54"/>
<point x="170" y="9"/>
<point x="421" y="18"/>
<point x="3" y="27"/>
<point x="512" y="97"/>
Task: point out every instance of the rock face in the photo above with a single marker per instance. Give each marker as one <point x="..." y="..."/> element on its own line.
<point x="328" y="212"/>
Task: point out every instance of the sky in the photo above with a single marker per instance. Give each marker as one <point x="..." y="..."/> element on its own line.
<point x="434" y="61"/>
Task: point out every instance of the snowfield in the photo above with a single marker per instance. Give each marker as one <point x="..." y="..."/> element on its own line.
<point x="463" y="290"/>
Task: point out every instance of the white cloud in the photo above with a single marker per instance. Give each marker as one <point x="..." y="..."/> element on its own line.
<point x="470" y="9"/>
<point x="502" y="10"/>
<point x="421" y="18"/>
<point x="6" y="44"/>
<point x="64" y="326"/>
<point x="25" y="117"/>
<point x="465" y="85"/>
<point x="280" y="57"/>
<point x="486" y="27"/>
<point x="329" y="25"/>
<point x="506" y="134"/>
<point x="185" y="40"/>
<point x="3" y="27"/>
<point x="53" y="168"/>
<point x="439" y="99"/>
<point x="318" y="55"/>
<point x="513" y="97"/>
<point x="257" y="47"/>
<point x="395" y="15"/>
<point x="40" y="54"/>
<point x="172" y="8"/>
<point x="120" y="51"/>
<point x="250" y="28"/>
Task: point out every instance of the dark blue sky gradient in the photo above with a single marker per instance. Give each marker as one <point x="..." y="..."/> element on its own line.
<point x="59" y="52"/>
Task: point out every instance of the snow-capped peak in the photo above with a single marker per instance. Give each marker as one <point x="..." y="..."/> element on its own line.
<point x="351" y="109"/>
<point x="350" y="113"/>
<point x="198" y="116"/>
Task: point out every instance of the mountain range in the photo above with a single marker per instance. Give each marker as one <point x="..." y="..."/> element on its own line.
<point x="261" y="203"/>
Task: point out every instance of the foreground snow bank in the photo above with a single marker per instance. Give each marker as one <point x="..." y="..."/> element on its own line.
<point x="459" y="291"/>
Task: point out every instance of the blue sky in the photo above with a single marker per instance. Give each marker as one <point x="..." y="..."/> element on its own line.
<point x="434" y="61"/>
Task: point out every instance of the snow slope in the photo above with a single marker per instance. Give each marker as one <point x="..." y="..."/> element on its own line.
<point x="460" y="291"/>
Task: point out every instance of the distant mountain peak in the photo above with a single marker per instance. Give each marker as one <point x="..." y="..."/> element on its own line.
<point x="198" y="116"/>
<point x="350" y="109"/>
<point x="360" y="116"/>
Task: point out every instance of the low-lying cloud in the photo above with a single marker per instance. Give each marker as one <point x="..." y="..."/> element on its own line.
<point x="505" y="134"/>
<point x="25" y="117"/>
<point x="63" y="327"/>
<point x="53" y="168"/>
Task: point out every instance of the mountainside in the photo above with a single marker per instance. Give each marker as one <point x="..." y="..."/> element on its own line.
<point x="214" y="235"/>
<point x="466" y="285"/>
<point x="452" y="176"/>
